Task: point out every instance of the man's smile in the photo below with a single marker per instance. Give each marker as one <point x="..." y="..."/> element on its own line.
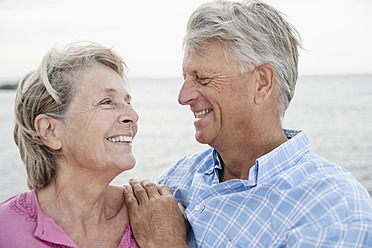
<point x="202" y="113"/>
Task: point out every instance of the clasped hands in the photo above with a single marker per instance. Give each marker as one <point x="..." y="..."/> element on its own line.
<point x="156" y="218"/>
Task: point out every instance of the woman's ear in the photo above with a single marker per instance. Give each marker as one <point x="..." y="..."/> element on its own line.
<point x="46" y="127"/>
<point x="264" y="83"/>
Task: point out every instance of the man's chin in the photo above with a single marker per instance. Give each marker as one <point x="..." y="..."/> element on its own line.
<point x="201" y="138"/>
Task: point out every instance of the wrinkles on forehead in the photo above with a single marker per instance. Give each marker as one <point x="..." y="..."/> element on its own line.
<point x="211" y="63"/>
<point x="213" y="51"/>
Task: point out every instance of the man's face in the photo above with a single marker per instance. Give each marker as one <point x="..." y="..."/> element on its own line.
<point x="220" y="98"/>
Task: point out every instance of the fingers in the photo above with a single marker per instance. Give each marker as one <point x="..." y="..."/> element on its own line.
<point x="184" y="215"/>
<point x="181" y="208"/>
<point x="144" y="190"/>
<point x="150" y="187"/>
<point x="130" y="199"/>
<point x="156" y="209"/>
<point x="164" y="190"/>
<point x="139" y="192"/>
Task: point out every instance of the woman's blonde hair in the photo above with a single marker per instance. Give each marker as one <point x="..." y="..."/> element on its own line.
<point x="49" y="90"/>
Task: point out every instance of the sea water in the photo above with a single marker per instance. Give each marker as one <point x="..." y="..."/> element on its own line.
<point x="335" y="111"/>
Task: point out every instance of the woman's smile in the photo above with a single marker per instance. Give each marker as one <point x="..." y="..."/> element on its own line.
<point x="121" y="139"/>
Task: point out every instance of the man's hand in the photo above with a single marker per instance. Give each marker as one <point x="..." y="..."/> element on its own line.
<point x="155" y="216"/>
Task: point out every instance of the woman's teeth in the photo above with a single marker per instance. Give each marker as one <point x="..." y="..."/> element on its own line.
<point x="127" y="139"/>
<point x="202" y="113"/>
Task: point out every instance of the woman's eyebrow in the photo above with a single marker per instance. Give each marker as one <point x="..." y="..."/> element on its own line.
<point x="109" y="90"/>
<point x="128" y="97"/>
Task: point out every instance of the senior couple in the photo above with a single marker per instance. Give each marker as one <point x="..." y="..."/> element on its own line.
<point x="257" y="186"/>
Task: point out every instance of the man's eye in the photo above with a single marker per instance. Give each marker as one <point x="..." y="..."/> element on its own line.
<point x="202" y="81"/>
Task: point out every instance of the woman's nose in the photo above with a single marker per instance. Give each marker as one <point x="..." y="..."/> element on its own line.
<point x="129" y="115"/>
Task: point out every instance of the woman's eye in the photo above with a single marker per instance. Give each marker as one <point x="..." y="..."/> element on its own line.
<point x="106" y="102"/>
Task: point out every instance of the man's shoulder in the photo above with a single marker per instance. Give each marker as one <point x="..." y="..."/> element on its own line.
<point x="328" y="183"/>
<point x="188" y="164"/>
<point x="195" y="159"/>
<point x="319" y="168"/>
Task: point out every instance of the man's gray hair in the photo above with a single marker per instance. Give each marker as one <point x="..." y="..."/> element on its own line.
<point x="254" y="33"/>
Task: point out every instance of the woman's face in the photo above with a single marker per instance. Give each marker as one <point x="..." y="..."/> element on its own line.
<point x="100" y="123"/>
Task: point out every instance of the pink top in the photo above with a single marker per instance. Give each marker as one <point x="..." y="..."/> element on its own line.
<point x="23" y="224"/>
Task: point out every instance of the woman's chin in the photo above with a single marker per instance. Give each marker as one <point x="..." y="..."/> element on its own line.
<point x="128" y="163"/>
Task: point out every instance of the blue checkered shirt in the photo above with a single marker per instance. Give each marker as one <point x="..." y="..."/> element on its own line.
<point x="292" y="198"/>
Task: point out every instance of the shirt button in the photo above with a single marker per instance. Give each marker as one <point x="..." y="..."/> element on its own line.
<point x="197" y="207"/>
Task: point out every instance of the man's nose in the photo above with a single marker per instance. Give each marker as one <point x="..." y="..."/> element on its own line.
<point x="187" y="93"/>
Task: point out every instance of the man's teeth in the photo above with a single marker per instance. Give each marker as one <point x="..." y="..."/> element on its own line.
<point x="127" y="139"/>
<point x="202" y="113"/>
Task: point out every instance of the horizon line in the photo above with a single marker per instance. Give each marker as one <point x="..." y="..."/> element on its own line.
<point x="12" y="80"/>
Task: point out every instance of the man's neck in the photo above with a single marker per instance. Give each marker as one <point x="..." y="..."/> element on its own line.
<point x="237" y="162"/>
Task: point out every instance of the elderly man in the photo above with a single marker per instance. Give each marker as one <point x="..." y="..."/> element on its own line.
<point x="258" y="185"/>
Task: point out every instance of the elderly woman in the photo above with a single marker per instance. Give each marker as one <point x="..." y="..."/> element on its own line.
<point x="74" y="130"/>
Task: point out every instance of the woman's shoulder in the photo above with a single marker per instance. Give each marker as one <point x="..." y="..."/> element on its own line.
<point x="18" y="214"/>
<point x="23" y="206"/>
<point x="115" y="197"/>
<point x="6" y="208"/>
<point x="116" y="192"/>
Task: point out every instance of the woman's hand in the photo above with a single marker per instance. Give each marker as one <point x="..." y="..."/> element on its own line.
<point x="157" y="220"/>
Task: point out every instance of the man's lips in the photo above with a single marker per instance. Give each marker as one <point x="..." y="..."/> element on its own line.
<point x="202" y="113"/>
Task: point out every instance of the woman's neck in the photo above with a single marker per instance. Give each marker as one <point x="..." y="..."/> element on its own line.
<point x="81" y="196"/>
<point x="85" y="211"/>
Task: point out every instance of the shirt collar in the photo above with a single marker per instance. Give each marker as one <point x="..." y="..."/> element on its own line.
<point x="283" y="157"/>
<point x="48" y="230"/>
<point x="270" y="164"/>
<point x="216" y="165"/>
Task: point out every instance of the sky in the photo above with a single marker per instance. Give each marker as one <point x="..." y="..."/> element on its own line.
<point x="337" y="34"/>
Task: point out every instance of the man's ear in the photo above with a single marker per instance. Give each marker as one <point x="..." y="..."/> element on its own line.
<point x="46" y="127"/>
<point x="264" y="83"/>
